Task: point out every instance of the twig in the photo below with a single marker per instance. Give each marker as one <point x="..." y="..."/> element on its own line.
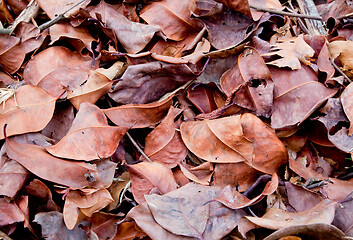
<point x="27" y="14"/>
<point x="340" y="71"/>
<point x="138" y="147"/>
<point x="58" y="18"/>
<point x="315" y="27"/>
<point x="47" y="24"/>
<point x="345" y="16"/>
<point x="285" y="13"/>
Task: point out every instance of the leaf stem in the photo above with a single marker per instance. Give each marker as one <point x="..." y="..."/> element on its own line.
<point x="285" y="13"/>
<point x="138" y="147"/>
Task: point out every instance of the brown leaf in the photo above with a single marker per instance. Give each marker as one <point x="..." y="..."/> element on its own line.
<point x="293" y="51"/>
<point x="54" y="8"/>
<point x="53" y="227"/>
<point x="13" y="52"/>
<point x="235" y="200"/>
<point x="189" y="200"/>
<point x="347" y="105"/>
<point x="146" y="176"/>
<point x="69" y="173"/>
<point x="144" y="83"/>
<point x="104" y="224"/>
<point x="201" y="174"/>
<point x="239" y="175"/>
<point x="337" y="189"/>
<point x="314" y="231"/>
<point x="343" y="217"/>
<point x="12" y="178"/>
<point x="90" y="91"/>
<point x="86" y="202"/>
<point x="298" y="195"/>
<point x="133" y="36"/>
<point x="343" y="50"/>
<point x="144" y="219"/>
<point x="10" y="212"/>
<point x="174" y="18"/>
<point x="139" y="115"/>
<point x="90" y="137"/>
<point x="277" y="218"/>
<point x="80" y="36"/>
<point x="57" y="67"/>
<point x="41" y="195"/>
<point x="129" y="231"/>
<point x="164" y="144"/>
<point x="252" y="76"/>
<point x="292" y="88"/>
<point x="220" y="140"/>
<point x="123" y="182"/>
<point x="60" y="123"/>
<point x="226" y="28"/>
<point x="28" y="110"/>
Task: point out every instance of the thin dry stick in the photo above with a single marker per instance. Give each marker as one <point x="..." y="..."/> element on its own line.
<point x="47" y="24"/>
<point x="31" y="11"/>
<point x="340" y="71"/>
<point x="138" y="147"/>
<point x="285" y="13"/>
<point x="58" y="18"/>
<point x="345" y="16"/>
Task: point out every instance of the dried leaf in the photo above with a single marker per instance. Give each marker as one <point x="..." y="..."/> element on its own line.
<point x="139" y="115"/>
<point x="164" y="144"/>
<point x="277" y="218"/>
<point x="12" y="178"/>
<point x="174" y="18"/>
<point x="347" y="105"/>
<point x="10" y="213"/>
<point x="90" y="137"/>
<point x="292" y="88"/>
<point x="85" y="202"/>
<point x="53" y="227"/>
<point x="28" y="110"/>
<point x="293" y="51"/>
<point x="146" y="176"/>
<point x="69" y="173"/>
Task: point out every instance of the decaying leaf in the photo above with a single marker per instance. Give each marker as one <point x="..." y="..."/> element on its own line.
<point x="29" y="109"/>
<point x="90" y="137"/>
<point x="276" y="218"/>
<point x="235" y="139"/>
<point x="84" y="202"/>
<point x="139" y="115"/>
<point x="292" y="51"/>
<point x="147" y="176"/>
<point x="164" y="144"/>
<point x="69" y="173"/>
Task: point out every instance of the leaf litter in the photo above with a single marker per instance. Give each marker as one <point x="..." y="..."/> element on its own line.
<point x="193" y="119"/>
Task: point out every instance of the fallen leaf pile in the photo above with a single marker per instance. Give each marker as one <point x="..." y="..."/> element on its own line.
<point x="190" y="119"/>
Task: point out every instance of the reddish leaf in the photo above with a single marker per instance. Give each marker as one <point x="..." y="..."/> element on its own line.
<point x="292" y="89"/>
<point x="235" y="200"/>
<point x="347" y="105"/>
<point x="164" y="144"/>
<point x="28" y="110"/>
<point x="277" y="218"/>
<point x="139" y="115"/>
<point x="144" y="83"/>
<point x="253" y="78"/>
<point x="12" y="177"/>
<point x="128" y="231"/>
<point x="55" y="8"/>
<point x="53" y="227"/>
<point x="10" y="213"/>
<point x="70" y="173"/>
<point x="146" y="176"/>
<point x="86" y="202"/>
<point x="174" y="18"/>
<point x="133" y="36"/>
<point x="90" y="137"/>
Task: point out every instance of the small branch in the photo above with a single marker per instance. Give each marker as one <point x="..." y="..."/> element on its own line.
<point x="340" y="71"/>
<point x="138" y="147"/>
<point x="58" y="18"/>
<point x="31" y="11"/>
<point x="345" y="16"/>
<point x="285" y="13"/>
<point x="47" y="24"/>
